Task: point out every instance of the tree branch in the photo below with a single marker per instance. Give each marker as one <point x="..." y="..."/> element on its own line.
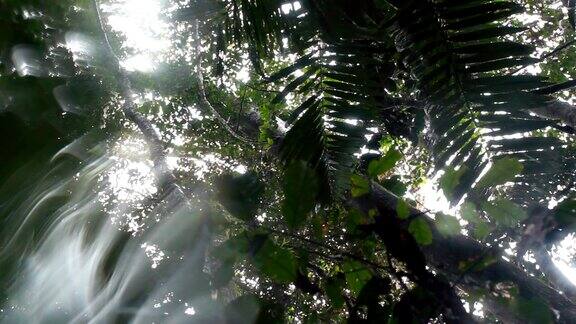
<point x="333" y="250"/>
<point x="560" y="110"/>
<point x="547" y="55"/>
<point x="202" y="91"/>
<point x="164" y="177"/>
<point x="445" y="254"/>
<point x="552" y="272"/>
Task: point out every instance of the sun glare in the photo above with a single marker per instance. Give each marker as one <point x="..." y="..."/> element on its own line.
<point x="144" y="30"/>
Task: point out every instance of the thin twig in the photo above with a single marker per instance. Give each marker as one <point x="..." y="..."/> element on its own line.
<point x="202" y="90"/>
<point x="558" y="49"/>
<point x="328" y="247"/>
<point x="262" y="90"/>
<point x="241" y="109"/>
<point x="547" y="55"/>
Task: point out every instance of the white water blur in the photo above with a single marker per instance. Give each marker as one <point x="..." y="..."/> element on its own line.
<point x="28" y="61"/>
<point x="62" y="278"/>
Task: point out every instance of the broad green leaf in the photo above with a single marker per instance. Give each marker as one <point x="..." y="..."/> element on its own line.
<point x="354" y="218"/>
<point x="384" y="164"/>
<point x="333" y="288"/>
<point x="504" y="212"/>
<point x="394" y="184"/>
<point x="533" y="310"/>
<point x="276" y="262"/>
<point x="447" y="225"/>
<point x="565" y="212"/>
<point x="360" y="185"/>
<point x="402" y="209"/>
<point x="450" y="180"/>
<point x="386" y="143"/>
<point x="222" y="276"/>
<point x="502" y="171"/>
<point x="481" y="230"/>
<point x="245" y="307"/>
<point x="468" y="212"/>
<point x="233" y="248"/>
<point x="357" y="275"/>
<point x="300" y="192"/>
<point x="240" y="194"/>
<point x="421" y="231"/>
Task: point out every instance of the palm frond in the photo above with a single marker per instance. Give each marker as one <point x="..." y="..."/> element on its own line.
<point x="328" y="127"/>
<point x="262" y="28"/>
<point x="453" y="58"/>
<point x="459" y="55"/>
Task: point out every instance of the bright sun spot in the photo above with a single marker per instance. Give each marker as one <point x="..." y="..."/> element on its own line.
<point x="562" y="256"/>
<point x="144" y="31"/>
<point x="190" y="311"/>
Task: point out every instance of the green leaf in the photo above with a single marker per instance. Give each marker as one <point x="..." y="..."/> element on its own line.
<point x="333" y="288"/>
<point x="503" y="170"/>
<point x="421" y="231"/>
<point x="240" y="194"/>
<point x="245" y="307"/>
<point x="357" y="275"/>
<point x="223" y="275"/>
<point x="384" y="164"/>
<point x="533" y="310"/>
<point x="386" y="143"/>
<point x="468" y="212"/>
<point x="293" y="85"/>
<point x="447" y="225"/>
<point x="310" y="102"/>
<point x="402" y="209"/>
<point x="360" y="185"/>
<point x="450" y="180"/>
<point x="565" y="212"/>
<point x="298" y="64"/>
<point x="233" y="248"/>
<point x="481" y="230"/>
<point x="394" y="184"/>
<point x="276" y="262"/>
<point x="504" y="212"/>
<point x="300" y="192"/>
<point x="354" y="218"/>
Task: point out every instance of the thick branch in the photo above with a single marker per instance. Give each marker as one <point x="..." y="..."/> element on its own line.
<point x="560" y="110"/>
<point x="164" y="176"/>
<point x="552" y="272"/>
<point x="445" y="255"/>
